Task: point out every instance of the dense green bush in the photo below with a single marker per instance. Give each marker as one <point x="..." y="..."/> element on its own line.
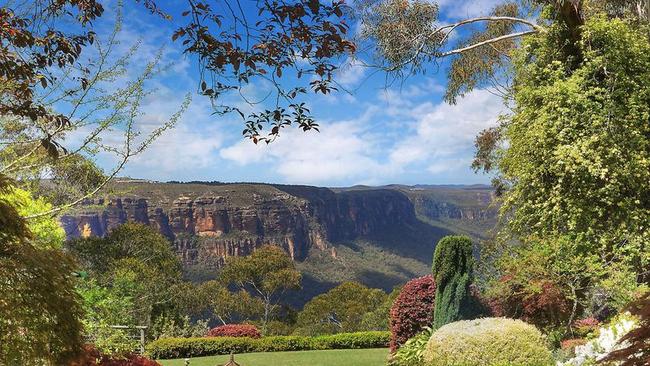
<point x="411" y="353"/>
<point x="487" y="342"/>
<point x="194" y="347"/>
<point x="453" y="271"/>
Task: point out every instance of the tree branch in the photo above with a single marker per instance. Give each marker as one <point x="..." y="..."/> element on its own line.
<point x="489" y="41"/>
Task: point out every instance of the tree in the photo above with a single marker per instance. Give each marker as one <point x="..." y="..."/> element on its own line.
<point x="266" y="274"/>
<point x="133" y="273"/>
<point x="48" y="95"/>
<point x="570" y="158"/>
<point x="341" y="309"/>
<point x="378" y="318"/>
<point x="40" y="310"/>
<point x="213" y="299"/>
<point x="453" y="273"/>
<point x="47" y="232"/>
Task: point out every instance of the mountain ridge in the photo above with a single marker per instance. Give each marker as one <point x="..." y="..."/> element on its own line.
<point x="381" y="236"/>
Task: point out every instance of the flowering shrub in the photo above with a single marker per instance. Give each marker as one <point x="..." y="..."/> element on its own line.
<point x="92" y="357"/>
<point x="585" y="326"/>
<point x="606" y="342"/>
<point x="235" y="330"/>
<point x="569" y="344"/>
<point x="539" y="302"/>
<point x="412" y="310"/>
<point x="129" y="360"/>
<point x="487" y="341"/>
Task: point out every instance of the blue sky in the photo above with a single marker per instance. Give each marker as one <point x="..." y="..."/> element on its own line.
<point x="375" y="135"/>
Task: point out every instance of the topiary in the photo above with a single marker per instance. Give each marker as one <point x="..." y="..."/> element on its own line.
<point x="453" y="272"/>
<point x="412" y="310"/>
<point x="487" y="342"/>
<point x="235" y="330"/>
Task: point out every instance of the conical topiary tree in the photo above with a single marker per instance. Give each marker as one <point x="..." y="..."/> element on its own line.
<point x="453" y="272"/>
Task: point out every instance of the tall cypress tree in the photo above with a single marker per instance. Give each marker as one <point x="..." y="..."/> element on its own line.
<point x="453" y="271"/>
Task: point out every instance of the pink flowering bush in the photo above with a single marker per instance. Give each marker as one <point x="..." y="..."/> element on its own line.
<point x="235" y="330"/>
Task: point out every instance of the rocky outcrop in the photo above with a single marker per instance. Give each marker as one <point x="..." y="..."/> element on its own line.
<point x="215" y="223"/>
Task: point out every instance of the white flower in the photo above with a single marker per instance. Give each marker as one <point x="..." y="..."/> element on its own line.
<point x="606" y="342"/>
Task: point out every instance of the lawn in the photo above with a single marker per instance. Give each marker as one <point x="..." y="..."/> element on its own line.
<point x="344" y="357"/>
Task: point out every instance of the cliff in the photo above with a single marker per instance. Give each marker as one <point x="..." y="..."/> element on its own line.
<point x="207" y="223"/>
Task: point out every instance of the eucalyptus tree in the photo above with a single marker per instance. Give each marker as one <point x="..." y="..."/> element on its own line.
<point x="570" y="153"/>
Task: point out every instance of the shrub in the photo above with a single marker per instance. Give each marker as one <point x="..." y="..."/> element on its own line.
<point x="542" y="303"/>
<point x="608" y="340"/>
<point x="195" y="347"/>
<point x="411" y="353"/>
<point x="487" y="342"/>
<point x="635" y="350"/>
<point x="93" y="357"/>
<point x="453" y="271"/>
<point x="412" y="310"/>
<point x="235" y="330"/>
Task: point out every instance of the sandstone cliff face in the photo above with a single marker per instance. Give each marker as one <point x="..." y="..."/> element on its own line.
<point x="217" y="222"/>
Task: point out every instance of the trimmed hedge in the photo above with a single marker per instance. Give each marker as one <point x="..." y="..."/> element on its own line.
<point x="210" y="346"/>
<point x="487" y="342"/>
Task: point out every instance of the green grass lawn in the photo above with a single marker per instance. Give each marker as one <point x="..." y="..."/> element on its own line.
<point x="343" y="357"/>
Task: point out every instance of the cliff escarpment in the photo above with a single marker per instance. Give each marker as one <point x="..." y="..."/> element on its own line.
<point x="208" y="222"/>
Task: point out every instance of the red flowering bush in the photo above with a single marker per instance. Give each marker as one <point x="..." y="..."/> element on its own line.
<point x="412" y="310"/>
<point x="129" y="360"/>
<point x="235" y="330"/>
<point x="586" y="325"/>
<point x="539" y="302"/>
<point x="569" y="344"/>
<point x="92" y="357"/>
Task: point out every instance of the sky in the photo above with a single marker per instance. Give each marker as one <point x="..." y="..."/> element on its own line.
<point x="375" y="134"/>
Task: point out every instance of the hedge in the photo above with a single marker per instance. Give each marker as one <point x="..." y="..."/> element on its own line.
<point x="209" y="346"/>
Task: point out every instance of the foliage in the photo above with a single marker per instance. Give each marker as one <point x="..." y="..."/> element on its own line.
<point x="195" y="347"/>
<point x="132" y="276"/>
<point x="267" y="274"/>
<point x="235" y="330"/>
<point x="103" y="308"/>
<point x="606" y="342"/>
<point x="93" y="357"/>
<point x="213" y="298"/>
<point x="487" y="341"/>
<point x="576" y="168"/>
<point x="302" y="39"/>
<point x="411" y="353"/>
<point x="635" y="349"/>
<point x="40" y="311"/>
<point x="168" y="327"/>
<point x="412" y="310"/>
<point x="47" y="232"/>
<point x="378" y="318"/>
<point x="340" y="310"/>
<point x="453" y="272"/>
<point x="50" y="92"/>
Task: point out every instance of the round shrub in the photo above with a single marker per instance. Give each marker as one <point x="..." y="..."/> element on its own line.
<point x="412" y="310"/>
<point x="487" y="342"/>
<point x="235" y="330"/>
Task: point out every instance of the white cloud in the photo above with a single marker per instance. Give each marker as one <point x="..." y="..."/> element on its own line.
<point x="440" y="142"/>
<point x="444" y="131"/>
<point x="351" y="73"/>
<point x="342" y="151"/>
<point x="459" y="9"/>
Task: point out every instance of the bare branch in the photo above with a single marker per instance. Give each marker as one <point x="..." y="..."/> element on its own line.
<point x="489" y="41"/>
